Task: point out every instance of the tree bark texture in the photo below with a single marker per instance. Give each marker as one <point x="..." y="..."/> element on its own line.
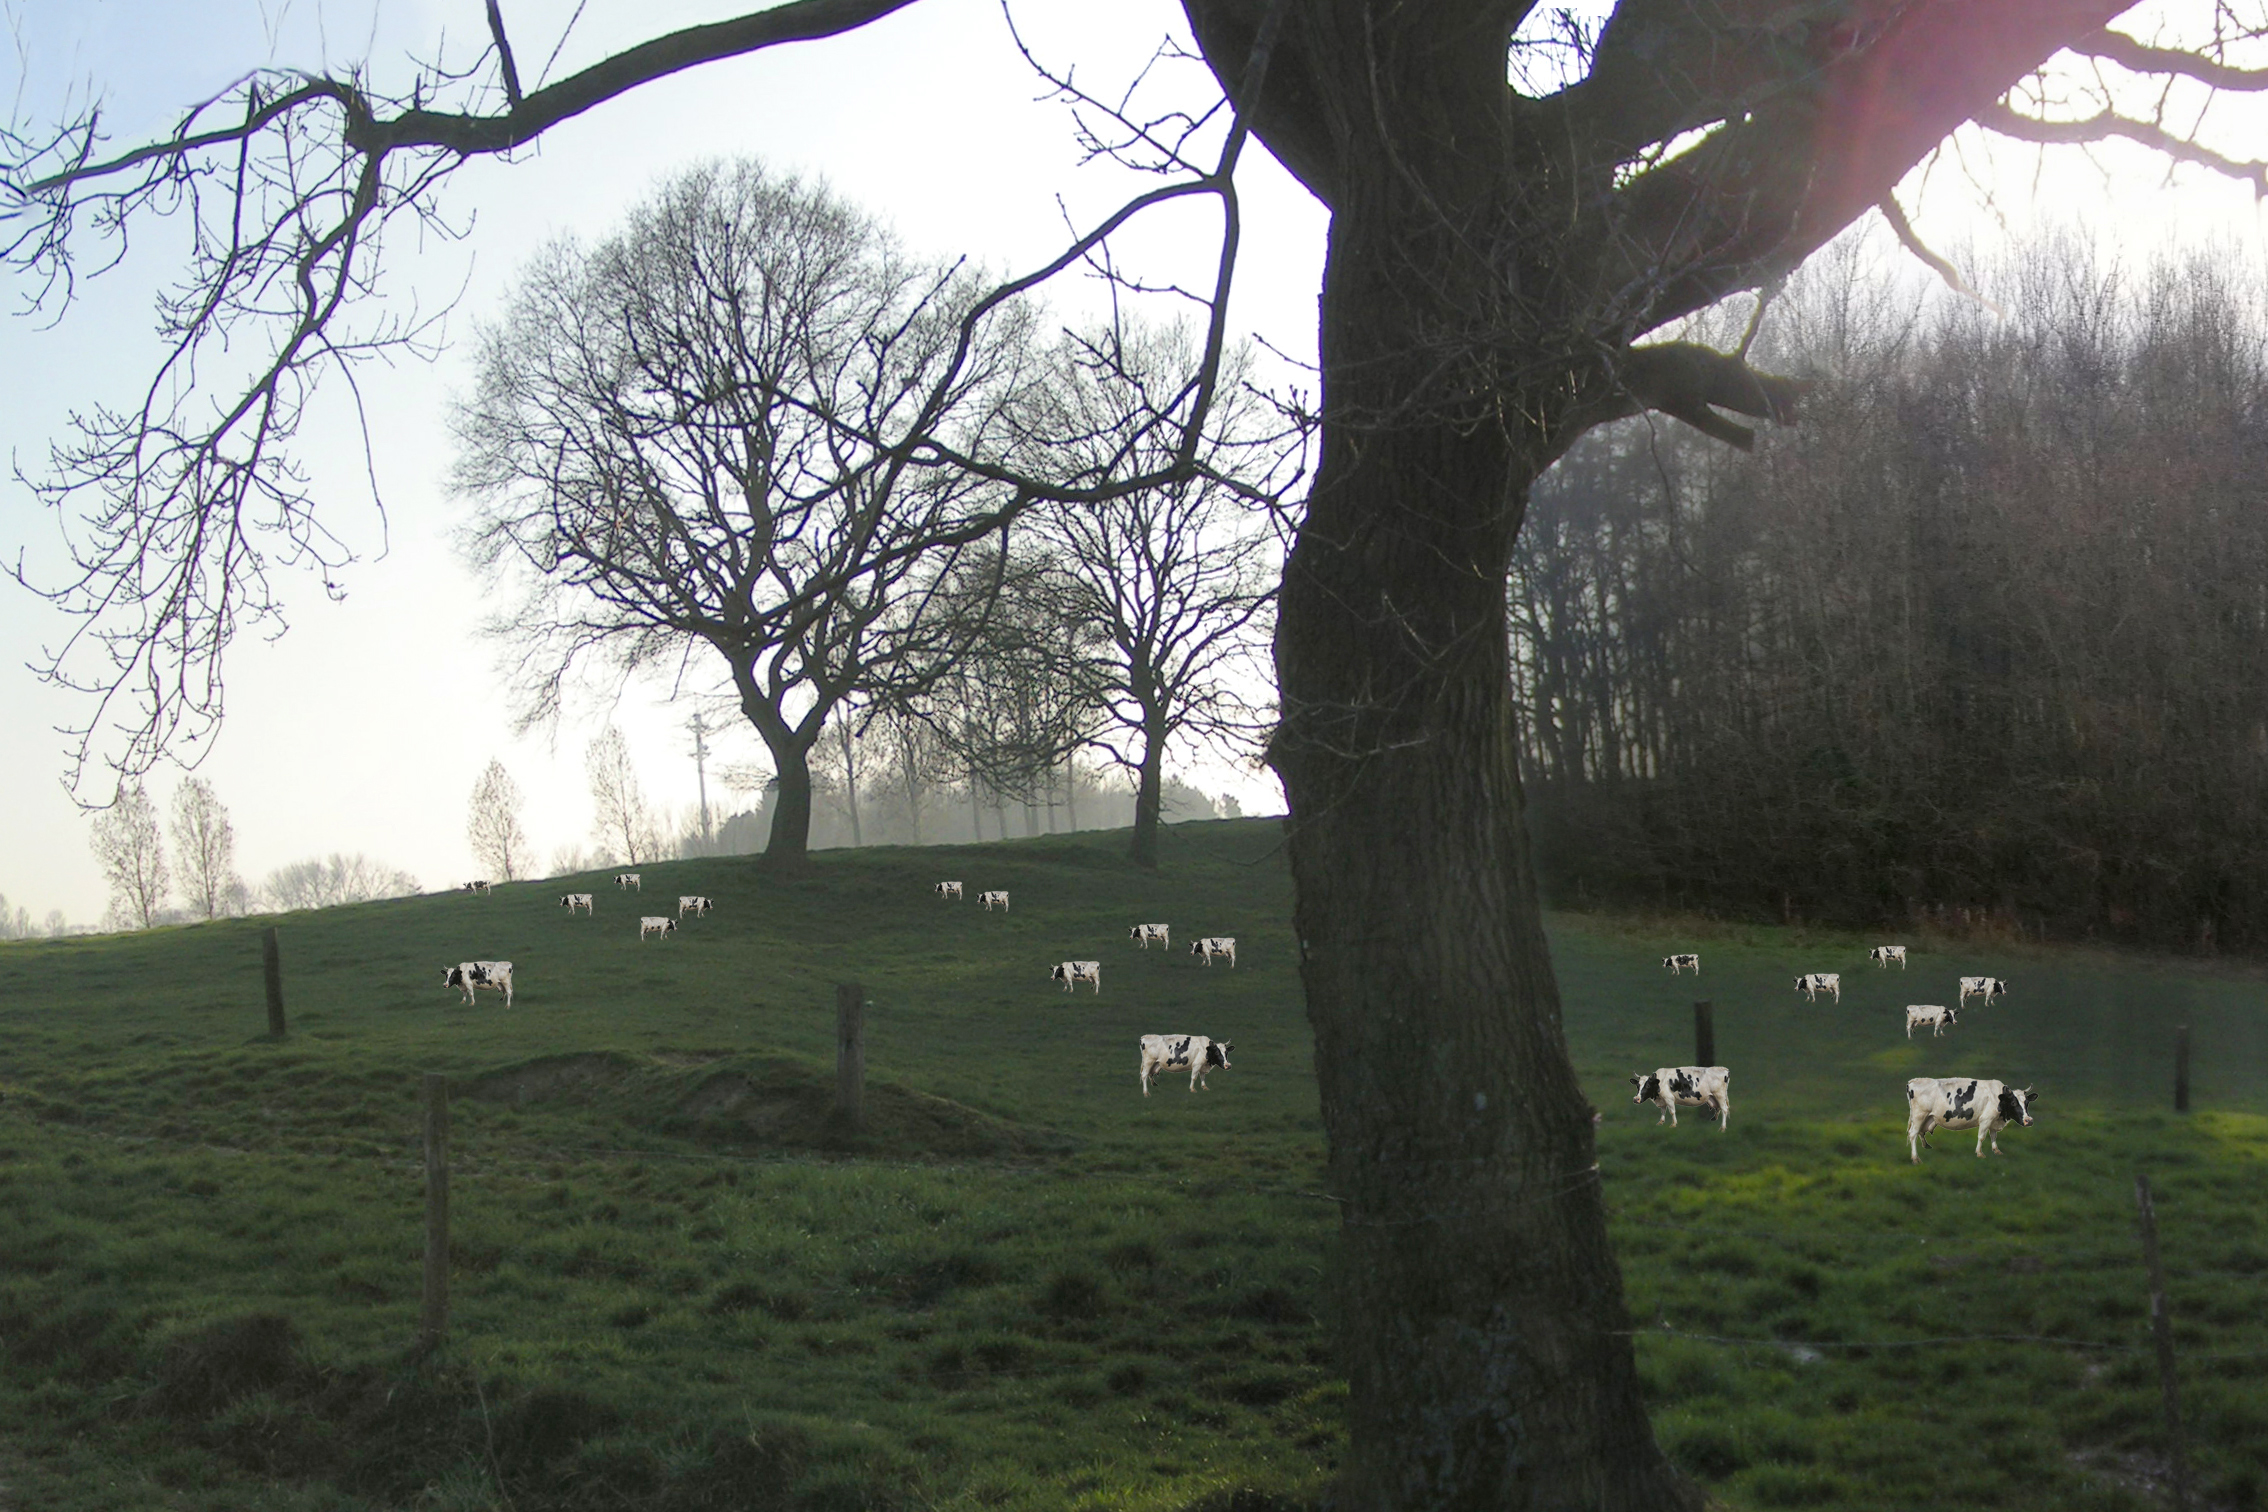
<point x="1149" y="798"/>
<point x="1482" y="1320"/>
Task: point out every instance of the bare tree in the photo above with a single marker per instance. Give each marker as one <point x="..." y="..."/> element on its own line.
<point x="1518" y="199"/>
<point x="688" y="436"/>
<point x="328" y="881"/>
<point x="204" y="845"/>
<point x="15" y="923"/>
<point x="1175" y="581"/>
<point x="131" y="852"/>
<point x="492" y="825"/>
<point x="622" y="821"/>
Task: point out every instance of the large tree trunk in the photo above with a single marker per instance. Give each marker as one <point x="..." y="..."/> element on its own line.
<point x="790" y="751"/>
<point x="1482" y="1323"/>
<point x="1149" y="787"/>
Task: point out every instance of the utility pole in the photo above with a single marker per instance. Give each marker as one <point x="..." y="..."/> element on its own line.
<point x="700" y="729"/>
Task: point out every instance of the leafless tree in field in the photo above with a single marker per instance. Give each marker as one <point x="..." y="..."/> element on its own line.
<point x="693" y="435"/>
<point x="492" y="824"/>
<point x="328" y="881"/>
<point x="621" y="820"/>
<point x="1174" y="582"/>
<point x="204" y="845"/>
<point x="131" y="852"/>
<point x="1518" y="201"/>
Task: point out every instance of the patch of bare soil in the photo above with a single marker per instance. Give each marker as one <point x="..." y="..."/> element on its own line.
<point x="553" y="1077"/>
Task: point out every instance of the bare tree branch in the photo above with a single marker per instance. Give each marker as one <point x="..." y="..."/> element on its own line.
<point x="2107" y="125"/>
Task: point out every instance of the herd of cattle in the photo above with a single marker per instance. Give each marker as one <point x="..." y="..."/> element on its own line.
<point x="497" y="975"/>
<point x="1932" y="1102"/>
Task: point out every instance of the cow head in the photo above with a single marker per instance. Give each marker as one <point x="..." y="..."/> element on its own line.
<point x="2016" y="1105"/>
<point x="1649" y="1087"/>
<point x="1197" y="947"/>
<point x="452" y="976"/>
<point x="1216" y="1053"/>
<point x="1058" y="973"/>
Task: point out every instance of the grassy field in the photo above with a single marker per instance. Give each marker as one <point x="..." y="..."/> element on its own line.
<point x="676" y="1286"/>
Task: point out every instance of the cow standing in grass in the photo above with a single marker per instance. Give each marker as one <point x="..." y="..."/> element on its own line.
<point x="573" y="901"/>
<point x="1883" y="955"/>
<point x="659" y="925"/>
<point x="1674" y="964"/>
<point x="698" y="907"/>
<point x="1932" y="1014"/>
<point x="1173" y="1052"/>
<point x="1143" y="934"/>
<point x="948" y="890"/>
<point x="1957" y="1102"/>
<point x="1813" y="983"/>
<point x="1987" y="988"/>
<point x="474" y="887"/>
<point x="631" y="882"/>
<point x="1216" y="945"/>
<point x="992" y="900"/>
<point x="1070" y="973"/>
<point x="495" y="975"/>
<point x="1694" y="1086"/>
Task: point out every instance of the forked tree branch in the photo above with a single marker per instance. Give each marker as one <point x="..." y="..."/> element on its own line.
<point x="2106" y="125"/>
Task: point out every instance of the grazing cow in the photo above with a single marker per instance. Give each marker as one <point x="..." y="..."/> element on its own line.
<point x="1813" y="983"/>
<point x="630" y="882"/>
<point x="1071" y="972"/>
<point x="1171" y="1052"/>
<point x="573" y="901"/>
<point x="948" y="890"/>
<point x="1143" y="934"/>
<point x="1936" y="1017"/>
<point x="694" y="906"/>
<point x="1694" y="1086"/>
<point x="1216" y="945"/>
<point x="1883" y="955"/>
<point x="1987" y="988"/>
<point x="496" y="975"/>
<point x="1676" y="963"/>
<point x="651" y="925"/>
<point x="1956" y="1102"/>
<point x="989" y="899"/>
<point x="474" y="887"/>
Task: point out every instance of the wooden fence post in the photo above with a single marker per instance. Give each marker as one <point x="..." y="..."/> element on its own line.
<point x="850" y="1055"/>
<point x="2161" y="1333"/>
<point x="433" y="1319"/>
<point x="2181" y="1069"/>
<point x="271" y="967"/>
<point x="1705" y="1033"/>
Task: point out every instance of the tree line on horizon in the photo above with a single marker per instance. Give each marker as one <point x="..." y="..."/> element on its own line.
<point x="1979" y="645"/>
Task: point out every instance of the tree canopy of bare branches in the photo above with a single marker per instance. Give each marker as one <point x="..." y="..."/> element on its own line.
<point x="130" y="848"/>
<point x="1517" y="202"/>
<point x="492" y="824"/>
<point x="622" y="822"/>
<point x="204" y="844"/>
<point x="695" y="435"/>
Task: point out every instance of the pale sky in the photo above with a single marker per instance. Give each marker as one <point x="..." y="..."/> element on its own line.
<point x="365" y="727"/>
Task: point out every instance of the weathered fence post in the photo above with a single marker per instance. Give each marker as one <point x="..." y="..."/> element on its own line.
<point x="2161" y="1333"/>
<point x="433" y="1320"/>
<point x="2181" y="1069"/>
<point x="850" y="1055"/>
<point x="1705" y="1034"/>
<point x="271" y="967"/>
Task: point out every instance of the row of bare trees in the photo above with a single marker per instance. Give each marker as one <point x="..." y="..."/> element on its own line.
<point x="1984" y="639"/>
<point x="750" y="429"/>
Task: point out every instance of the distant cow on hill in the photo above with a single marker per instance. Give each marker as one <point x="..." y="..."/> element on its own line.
<point x="948" y="890"/>
<point x="1674" y="964"/>
<point x="496" y="975"/>
<point x="1172" y="1052"/>
<point x="1216" y="945"/>
<point x="992" y="900"/>
<point x="1987" y="988"/>
<point x="1813" y="983"/>
<point x="698" y="907"/>
<point x="1934" y="1015"/>
<point x="474" y="887"/>
<point x="1883" y="955"/>
<point x="1143" y="934"/>
<point x="630" y="882"/>
<point x="573" y="901"/>
<point x="1070" y="973"/>
<point x="1693" y="1086"/>
<point x="653" y="924"/>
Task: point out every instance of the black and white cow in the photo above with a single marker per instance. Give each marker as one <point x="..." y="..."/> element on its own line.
<point x="653" y="924"/>
<point x="496" y="975"/>
<point x="1694" y="1086"/>
<point x="573" y="901"/>
<point x="948" y="890"/>
<point x="1674" y="964"/>
<point x="1070" y="973"/>
<point x="1813" y="983"/>
<point x="474" y="887"/>
<point x="1143" y="934"/>
<point x="1956" y="1102"/>
<point x="1173" y="1052"/>
<point x="992" y="900"/>
<point x="697" y="907"/>
<point x="1934" y="1015"/>
<point x="1883" y="955"/>
<point x="1216" y="945"/>
<point x="630" y="882"/>
<point x="1987" y="988"/>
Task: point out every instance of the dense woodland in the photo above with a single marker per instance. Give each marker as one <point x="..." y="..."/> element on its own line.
<point x="1979" y="643"/>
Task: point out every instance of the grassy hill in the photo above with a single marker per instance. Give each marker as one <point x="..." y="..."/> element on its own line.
<point x="677" y="1284"/>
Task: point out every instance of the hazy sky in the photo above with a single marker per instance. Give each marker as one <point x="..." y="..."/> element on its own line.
<point x="364" y="728"/>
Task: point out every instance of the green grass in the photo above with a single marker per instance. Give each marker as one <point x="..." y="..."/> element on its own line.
<point x="677" y="1284"/>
